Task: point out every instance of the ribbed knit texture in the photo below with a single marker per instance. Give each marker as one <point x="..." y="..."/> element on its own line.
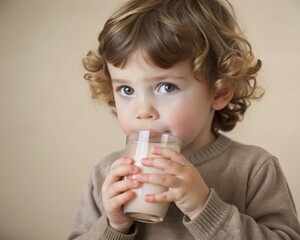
<point x="213" y="216"/>
<point x="211" y="151"/>
<point x="112" y="234"/>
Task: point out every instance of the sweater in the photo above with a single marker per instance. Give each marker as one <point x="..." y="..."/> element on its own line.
<point x="249" y="199"/>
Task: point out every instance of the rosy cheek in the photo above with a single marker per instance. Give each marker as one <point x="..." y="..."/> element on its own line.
<point x="183" y="122"/>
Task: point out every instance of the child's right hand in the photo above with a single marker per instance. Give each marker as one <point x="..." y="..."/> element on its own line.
<point x="116" y="191"/>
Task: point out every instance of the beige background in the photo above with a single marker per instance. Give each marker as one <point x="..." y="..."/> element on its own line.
<point x="52" y="134"/>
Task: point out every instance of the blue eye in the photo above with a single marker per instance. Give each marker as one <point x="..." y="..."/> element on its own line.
<point x="126" y="90"/>
<point x="167" y="88"/>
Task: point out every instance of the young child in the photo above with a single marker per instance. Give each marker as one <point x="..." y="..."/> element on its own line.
<point x="184" y="67"/>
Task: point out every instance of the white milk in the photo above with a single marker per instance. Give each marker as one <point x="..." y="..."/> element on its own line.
<point x="137" y="208"/>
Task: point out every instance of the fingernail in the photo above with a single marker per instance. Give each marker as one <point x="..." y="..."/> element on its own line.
<point x="135" y="169"/>
<point x="134" y="183"/>
<point x="145" y="160"/>
<point x="139" y="177"/>
<point x="155" y="149"/>
<point x="149" y="198"/>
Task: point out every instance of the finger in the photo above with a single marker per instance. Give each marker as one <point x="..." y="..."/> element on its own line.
<point x="171" y="154"/>
<point x="120" y="187"/>
<point x="159" y="197"/>
<point x="119" y="172"/>
<point x="121" y="161"/>
<point x="119" y="200"/>
<point x="165" y="164"/>
<point x="166" y="180"/>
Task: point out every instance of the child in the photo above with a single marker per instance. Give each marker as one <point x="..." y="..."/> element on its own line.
<point x="184" y="67"/>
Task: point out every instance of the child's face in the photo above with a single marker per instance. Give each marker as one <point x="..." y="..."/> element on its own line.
<point x="170" y="100"/>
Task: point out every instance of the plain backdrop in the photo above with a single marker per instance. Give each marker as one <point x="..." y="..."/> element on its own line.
<point x="52" y="133"/>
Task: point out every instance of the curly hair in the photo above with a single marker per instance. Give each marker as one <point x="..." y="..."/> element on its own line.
<point x="170" y="31"/>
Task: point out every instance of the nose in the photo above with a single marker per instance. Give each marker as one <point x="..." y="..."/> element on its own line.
<point x="146" y="110"/>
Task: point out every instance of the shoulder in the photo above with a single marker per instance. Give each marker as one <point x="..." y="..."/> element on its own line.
<point x="228" y="153"/>
<point x="246" y="151"/>
<point x="248" y="156"/>
<point x="241" y="157"/>
<point x="245" y="168"/>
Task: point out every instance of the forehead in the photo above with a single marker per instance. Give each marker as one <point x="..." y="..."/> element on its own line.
<point x="140" y="65"/>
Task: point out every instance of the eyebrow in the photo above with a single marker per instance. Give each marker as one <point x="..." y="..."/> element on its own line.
<point x="156" y="78"/>
<point x="117" y="80"/>
<point x="167" y="76"/>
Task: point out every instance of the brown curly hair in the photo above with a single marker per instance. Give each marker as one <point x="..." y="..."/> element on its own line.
<point x="170" y="31"/>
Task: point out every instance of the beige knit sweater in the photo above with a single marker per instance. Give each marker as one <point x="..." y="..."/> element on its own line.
<point x="249" y="199"/>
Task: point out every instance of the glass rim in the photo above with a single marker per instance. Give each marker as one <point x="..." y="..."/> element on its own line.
<point x="130" y="136"/>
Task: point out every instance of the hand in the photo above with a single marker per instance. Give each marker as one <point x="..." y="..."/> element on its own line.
<point x="116" y="191"/>
<point x="185" y="185"/>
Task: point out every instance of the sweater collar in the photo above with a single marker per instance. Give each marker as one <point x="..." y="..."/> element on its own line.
<point x="211" y="151"/>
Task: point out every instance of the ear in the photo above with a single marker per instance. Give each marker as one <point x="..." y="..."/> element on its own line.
<point x="222" y="97"/>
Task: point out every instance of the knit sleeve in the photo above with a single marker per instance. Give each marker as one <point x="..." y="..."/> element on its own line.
<point x="90" y="220"/>
<point x="270" y="211"/>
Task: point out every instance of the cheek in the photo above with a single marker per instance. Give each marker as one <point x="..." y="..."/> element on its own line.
<point x="188" y="121"/>
<point x="183" y="121"/>
<point x="123" y="120"/>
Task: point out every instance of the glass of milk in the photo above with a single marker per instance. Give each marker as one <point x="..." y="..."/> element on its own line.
<point x="138" y="146"/>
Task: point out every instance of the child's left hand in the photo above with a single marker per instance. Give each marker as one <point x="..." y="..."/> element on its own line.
<point x="185" y="185"/>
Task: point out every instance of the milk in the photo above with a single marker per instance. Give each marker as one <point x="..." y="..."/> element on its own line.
<point x="137" y="208"/>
